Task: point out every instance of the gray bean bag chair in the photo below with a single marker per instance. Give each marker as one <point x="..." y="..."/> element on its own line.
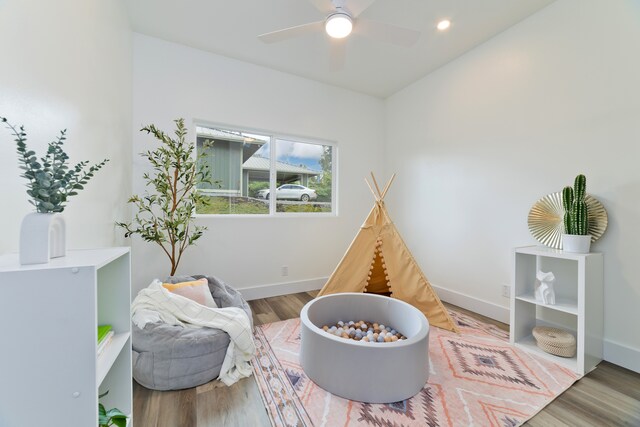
<point x="169" y="357"/>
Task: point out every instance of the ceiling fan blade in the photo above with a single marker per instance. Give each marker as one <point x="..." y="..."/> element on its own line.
<point x="289" y="33"/>
<point x="387" y="33"/>
<point x="324" y="6"/>
<point x="356" y="7"/>
<point x="337" y="54"/>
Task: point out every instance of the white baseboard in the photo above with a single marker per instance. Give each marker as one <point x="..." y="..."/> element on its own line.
<point x="477" y="305"/>
<point x="277" y="289"/>
<point x="622" y="355"/>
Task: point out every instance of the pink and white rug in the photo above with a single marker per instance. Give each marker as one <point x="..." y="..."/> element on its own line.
<point x="477" y="379"/>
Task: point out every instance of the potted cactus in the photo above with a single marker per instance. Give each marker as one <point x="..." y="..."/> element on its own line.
<point x="576" y="237"/>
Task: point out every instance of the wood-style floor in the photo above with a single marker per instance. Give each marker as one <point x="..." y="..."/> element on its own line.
<point x="608" y="396"/>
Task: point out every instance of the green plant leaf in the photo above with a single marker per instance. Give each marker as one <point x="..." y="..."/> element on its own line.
<point x="119" y="422"/>
<point x="115" y="412"/>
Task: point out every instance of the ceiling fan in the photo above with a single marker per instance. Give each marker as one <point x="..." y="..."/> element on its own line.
<point x="342" y="18"/>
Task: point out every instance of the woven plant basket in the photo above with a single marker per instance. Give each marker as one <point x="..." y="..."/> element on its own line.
<point x="558" y="342"/>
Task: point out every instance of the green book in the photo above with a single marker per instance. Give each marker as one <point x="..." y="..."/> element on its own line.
<point x="103" y="330"/>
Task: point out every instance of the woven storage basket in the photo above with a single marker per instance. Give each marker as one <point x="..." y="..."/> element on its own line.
<point x="555" y="341"/>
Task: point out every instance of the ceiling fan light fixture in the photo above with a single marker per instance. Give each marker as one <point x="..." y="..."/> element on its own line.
<point x="338" y="25"/>
<point x="443" y="25"/>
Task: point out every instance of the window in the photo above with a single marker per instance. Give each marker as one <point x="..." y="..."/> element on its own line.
<point x="248" y="168"/>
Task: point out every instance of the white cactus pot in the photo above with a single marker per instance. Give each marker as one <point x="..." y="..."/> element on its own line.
<point x="576" y="243"/>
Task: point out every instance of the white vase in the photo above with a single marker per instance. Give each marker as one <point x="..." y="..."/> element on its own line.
<point x="42" y="237"/>
<point x="576" y="243"/>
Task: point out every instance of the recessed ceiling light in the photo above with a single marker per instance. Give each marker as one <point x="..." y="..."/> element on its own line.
<point x="443" y="25"/>
<point x="338" y="25"/>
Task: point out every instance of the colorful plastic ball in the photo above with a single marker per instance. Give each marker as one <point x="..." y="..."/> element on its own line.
<point x="364" y="331"/>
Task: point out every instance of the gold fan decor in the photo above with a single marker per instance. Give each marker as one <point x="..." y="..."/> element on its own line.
<point x="545" y="219"/>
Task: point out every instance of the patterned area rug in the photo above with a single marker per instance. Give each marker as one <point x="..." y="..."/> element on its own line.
<point x="476" y="379"/>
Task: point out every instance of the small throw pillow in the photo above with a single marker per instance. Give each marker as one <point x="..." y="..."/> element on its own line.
<point x="197" y="290"/>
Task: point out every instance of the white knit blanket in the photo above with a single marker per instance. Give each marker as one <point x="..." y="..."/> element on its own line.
<point x="155" y="303"/>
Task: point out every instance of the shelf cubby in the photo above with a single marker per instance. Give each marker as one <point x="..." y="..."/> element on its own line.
<point x="578" y="309"/>
<point x="51" y="316"/>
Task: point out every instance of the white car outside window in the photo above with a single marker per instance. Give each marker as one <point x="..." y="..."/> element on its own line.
<point x="291" y="192"/>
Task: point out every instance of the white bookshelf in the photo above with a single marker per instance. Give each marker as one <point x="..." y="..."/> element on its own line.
<point x="579" y="303"/>
<point x="49" y="368"/>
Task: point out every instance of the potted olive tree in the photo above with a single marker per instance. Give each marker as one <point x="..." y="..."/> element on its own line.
<point x="50" y="184"/>
<point x="165" y="212"/>
<point x="576" y="237"/>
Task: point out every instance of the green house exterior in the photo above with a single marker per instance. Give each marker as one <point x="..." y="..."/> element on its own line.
<point x="224" y="159"/>
<point x="233" y="165"/>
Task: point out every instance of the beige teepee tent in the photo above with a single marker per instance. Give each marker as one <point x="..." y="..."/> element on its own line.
<point x="378" y="261"/>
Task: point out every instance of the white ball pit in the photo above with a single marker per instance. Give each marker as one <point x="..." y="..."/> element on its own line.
<point x="359" y="370"/>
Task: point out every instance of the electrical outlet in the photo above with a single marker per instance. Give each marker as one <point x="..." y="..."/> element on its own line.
<point x="506" y="291"/>
<point x="285" y="270"/>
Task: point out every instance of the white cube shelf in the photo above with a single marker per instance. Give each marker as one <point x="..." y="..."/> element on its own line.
<point x="579" y="302"/>
<point x="51" y="373"/>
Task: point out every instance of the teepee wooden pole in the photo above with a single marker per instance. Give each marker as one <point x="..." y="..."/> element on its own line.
<point x="376" y="184"/>
<point x="371" y="188"/>
<point x="386" y="187"/>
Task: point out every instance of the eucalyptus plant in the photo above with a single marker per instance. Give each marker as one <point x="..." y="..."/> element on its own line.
<point x="50" y="179"/>
<point x="166" y="212"/>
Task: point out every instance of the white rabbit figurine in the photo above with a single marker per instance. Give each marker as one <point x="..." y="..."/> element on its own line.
<point x="544" y="288"/>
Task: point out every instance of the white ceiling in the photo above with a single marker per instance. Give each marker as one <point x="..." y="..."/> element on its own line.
<point x="231" y="27"/>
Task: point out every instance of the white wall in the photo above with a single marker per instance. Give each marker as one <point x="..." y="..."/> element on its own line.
<point x="172" y="81"/>
<point x="67" y="64"/>
<point x="480" y="140"/>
